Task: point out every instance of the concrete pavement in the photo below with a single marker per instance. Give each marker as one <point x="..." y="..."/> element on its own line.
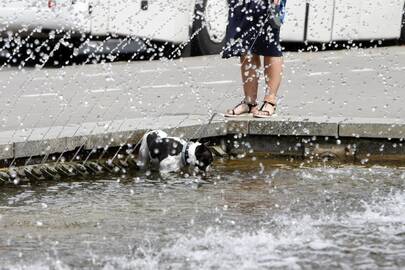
<point x="357" y="93"/>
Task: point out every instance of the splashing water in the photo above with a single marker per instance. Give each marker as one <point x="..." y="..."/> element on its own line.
<point x="286" y="217"/>
<point x="368" y="239"/>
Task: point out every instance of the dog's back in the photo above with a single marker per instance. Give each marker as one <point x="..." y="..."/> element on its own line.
<point x="159" y="150"/>
<point x="144" y="157"/>
<point x="162" y="147"/>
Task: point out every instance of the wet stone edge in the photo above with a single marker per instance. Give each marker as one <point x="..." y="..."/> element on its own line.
<point x="238" y="126"/>
<point x="307" y="139"/>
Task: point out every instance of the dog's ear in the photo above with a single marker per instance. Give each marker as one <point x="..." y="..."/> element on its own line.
<point x="203" y="155"/>
<point x="199" y="150"/>
<point x="203" y="149"/>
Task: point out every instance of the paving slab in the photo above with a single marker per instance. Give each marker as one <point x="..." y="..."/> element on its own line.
<point x="295" y="126"/>
<point x="6" y="145"/>
<point x="373" y="128"/>
<point x="238" y="125"/>
<point x="89" y="136"/>
<point x="6" y="151"/>
<point x="199" y="131"/>
<point x="332" y="83"/>
<point x="39" y="142"/>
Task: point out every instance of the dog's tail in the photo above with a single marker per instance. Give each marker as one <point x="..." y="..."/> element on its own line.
<point x="136" y="148"/>
<point x="139" y="143"/>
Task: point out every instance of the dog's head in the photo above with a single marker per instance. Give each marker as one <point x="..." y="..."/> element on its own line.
<point x="203" y="156"/>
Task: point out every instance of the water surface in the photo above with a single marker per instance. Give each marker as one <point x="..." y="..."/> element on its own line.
<point x="255" y="214"/>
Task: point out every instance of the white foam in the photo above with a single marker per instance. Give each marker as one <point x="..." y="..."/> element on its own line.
<point x="285" y="241"/>
<point x="383" y="212"/>
<point x="296" y="241"/>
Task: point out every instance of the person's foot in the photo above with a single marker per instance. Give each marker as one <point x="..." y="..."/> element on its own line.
<point x="242" y="109"/>
<point x="267" y="110"/>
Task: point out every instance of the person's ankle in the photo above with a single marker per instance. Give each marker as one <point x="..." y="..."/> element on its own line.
<point x="271" y="99"/>
<point x="250" y="100"/>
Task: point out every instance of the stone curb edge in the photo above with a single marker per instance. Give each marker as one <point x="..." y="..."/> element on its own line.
<point x="293" y="126"/>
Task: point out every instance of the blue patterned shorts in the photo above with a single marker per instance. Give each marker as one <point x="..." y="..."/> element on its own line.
<point x="249" y="30"/>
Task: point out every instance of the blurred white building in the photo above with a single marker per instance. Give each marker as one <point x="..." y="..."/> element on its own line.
<point x="202" y="21"/>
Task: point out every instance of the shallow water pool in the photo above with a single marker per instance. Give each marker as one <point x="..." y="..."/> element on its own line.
<point x="251" y="214"/>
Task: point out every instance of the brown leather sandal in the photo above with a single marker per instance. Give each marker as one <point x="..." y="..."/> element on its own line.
<point x="232" y="113"/>
<point x="261" y="113"/>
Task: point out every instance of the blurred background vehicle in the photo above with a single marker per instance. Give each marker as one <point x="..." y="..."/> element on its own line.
<point x="59" y="30"/>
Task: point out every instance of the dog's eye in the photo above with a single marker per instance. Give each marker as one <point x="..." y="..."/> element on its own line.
<point x="156" y="151"/>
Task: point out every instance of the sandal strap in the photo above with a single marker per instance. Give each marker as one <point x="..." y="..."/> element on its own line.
<point x="234" y="108"/>
<point x="265" y="103"/>
<point x="250" y="106"/>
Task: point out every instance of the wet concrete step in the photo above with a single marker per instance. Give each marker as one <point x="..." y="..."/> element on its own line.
<point x="23" y="144"/>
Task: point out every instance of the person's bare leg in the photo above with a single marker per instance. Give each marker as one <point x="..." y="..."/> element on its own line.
<point x="273" y="70"/>
<point x="250" y="65"/>
<point x="250" y="79"/>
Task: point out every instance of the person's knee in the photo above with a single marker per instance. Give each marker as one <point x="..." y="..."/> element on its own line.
<point x="272" y="63"/>
<point x="271" y="60"/>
